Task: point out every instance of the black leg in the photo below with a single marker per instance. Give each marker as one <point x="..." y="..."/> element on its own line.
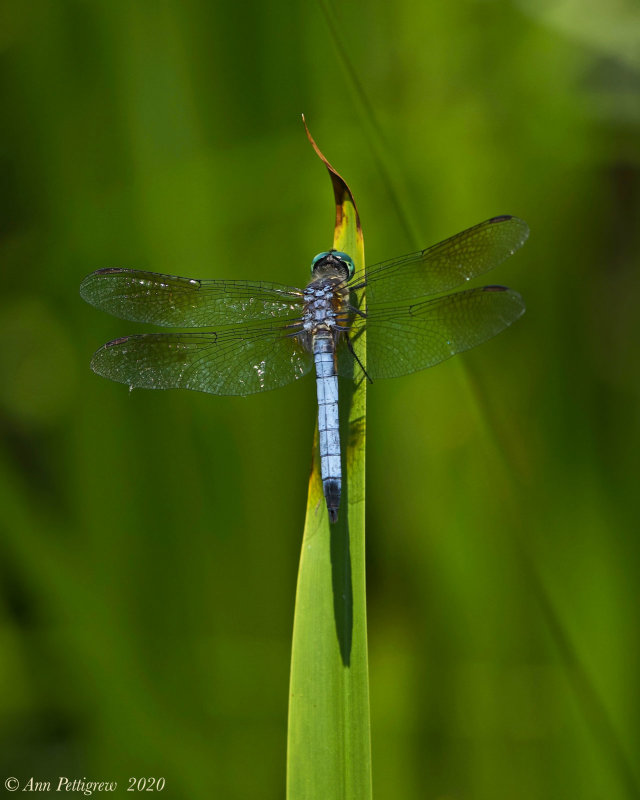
<point x="353" y="353"/>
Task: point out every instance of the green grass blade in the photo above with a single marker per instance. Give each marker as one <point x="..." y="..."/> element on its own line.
<point x="329" y="739"/>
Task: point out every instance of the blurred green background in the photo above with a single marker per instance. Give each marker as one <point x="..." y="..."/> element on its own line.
<point x="149" y="541"/>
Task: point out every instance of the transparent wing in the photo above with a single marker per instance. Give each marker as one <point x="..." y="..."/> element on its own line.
<point x="445" y="265"/>
<point x="185" y="302"/>
<point x="233" y="362"/>
<point x="410" y="338"/>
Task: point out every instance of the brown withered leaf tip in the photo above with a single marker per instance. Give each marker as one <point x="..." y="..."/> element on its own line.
<point x="340" y="189"/>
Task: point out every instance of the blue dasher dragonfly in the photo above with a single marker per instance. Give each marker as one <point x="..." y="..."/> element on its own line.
<point x="266" y="335"/>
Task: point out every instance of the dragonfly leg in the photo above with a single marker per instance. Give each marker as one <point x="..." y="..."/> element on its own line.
<point x="357" y="311"/>
<point x="353" y="353"/>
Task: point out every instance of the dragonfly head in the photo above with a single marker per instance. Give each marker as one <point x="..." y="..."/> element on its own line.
<point x="333" y="262"/>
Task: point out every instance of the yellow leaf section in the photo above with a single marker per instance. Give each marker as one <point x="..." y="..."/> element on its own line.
<point x="329" y="741"/>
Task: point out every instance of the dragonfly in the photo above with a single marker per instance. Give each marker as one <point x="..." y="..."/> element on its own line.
<point x="261" y="336"/>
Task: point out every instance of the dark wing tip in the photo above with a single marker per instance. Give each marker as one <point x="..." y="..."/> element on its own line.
<point x="507" y="218"/>
<point x="520" y="223"/>
<point x="497" y="288"/>
<point x="517" y="303"/>
<point x="115" y="342"/>
<point x="110" y="271"/>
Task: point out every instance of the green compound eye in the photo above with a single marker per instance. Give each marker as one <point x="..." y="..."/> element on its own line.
<point x="347" y="261"/>
<point x="317" y="258"/>
<point x="332" y="256"/>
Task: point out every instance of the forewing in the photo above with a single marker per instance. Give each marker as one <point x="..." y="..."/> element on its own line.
<point x="406" y="339"/>
<point x="445" y="265"/>
<point x="234" y="362"/>
<point x="186" y="302"/>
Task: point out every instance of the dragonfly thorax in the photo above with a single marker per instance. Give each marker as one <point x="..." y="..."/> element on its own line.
<point x="325" y="307"/>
